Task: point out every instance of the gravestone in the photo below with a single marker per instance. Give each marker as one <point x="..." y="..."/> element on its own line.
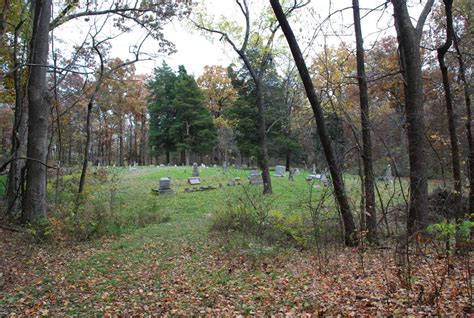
<point x="165" y="186"/>
<point x="314" y="169"/>
<point x="194" y="180"/>
<point x="388" y="175"/>
<point x="291" y="175"/>
<point x="255" y="177"/>
<point x="224" y="165"/>
<point x="195" y="170"/>
<point x="162" y="165"/>
<point x="279" y="171"/>
<point x="324" y="179"/>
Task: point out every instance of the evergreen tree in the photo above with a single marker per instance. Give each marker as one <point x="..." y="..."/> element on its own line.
<point x="193" y="129"/>
<point x="179" y="120"/>
<point x="162" y="113"/>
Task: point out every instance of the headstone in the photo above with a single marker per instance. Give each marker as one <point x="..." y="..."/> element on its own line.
<point x="388" y="175"/>
<point x="296" y="171"/>
<point x="224" y="165"/>
<point x="280" y="171"/>
<point x="214" y="166"/>
<point x="314" y="169"/>
<point x="165" y="186"/>
<point x="291" y="174"/>
<point x="324" y="179"/>
<point x="195" y="170"/>
<point x="255" y="177"/>
<point x="194" y="180"/>
<point x="253" y="173"/>
<point x="203" y="165"/>
<point x="312" y="177"/>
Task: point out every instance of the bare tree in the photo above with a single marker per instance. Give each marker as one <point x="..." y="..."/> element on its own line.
<point x="455" y="158"/>
<point x="348" y="220"/>
<point x="371" y="218"/>
<point x="257" y="72"/>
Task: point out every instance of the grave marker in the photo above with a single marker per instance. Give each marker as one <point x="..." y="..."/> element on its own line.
<point x="165" y="186"/>
<point x="195" y="170"/>
<point x="280" y="171"/>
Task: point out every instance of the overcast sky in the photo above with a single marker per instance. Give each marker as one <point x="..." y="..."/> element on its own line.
<point x="195" y="51"/>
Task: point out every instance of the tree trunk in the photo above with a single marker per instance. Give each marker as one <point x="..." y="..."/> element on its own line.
<point x="409" y="40"/>
<point x="18" y="139"/>
<point x="120" y="141"/>
<point x="370" y="215"/>
<point x="182" y="160"/>
<point x="262" y="134"/>
<point x="348" y="220"/>
<point x="38" y="106"/>
<point x="288" y="160"/>
<point x="455" y="158"/>
<point x="86" y="148"/>
<point x="467" y="98"/>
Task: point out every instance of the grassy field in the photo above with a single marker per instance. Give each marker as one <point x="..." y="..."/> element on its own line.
<point x="165" y="260"/>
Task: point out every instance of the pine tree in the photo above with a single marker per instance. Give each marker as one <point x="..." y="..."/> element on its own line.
<point x="179" y="120"/>
<point x="193" y="129"/>
<point x="162" y="113"/>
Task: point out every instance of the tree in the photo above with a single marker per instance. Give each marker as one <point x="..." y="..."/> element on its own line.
<point x="217" y="88"/>
<point x="192" y="128"/>
<point x="179" y="121"/>
<point x="349" y="225"/>
<point x="160" y="108"/>
<point x="371" y="218"/>
<point x="38" y="107"/>
<point x="256" y="68"/>
<point x="219" y="95"/>
<point x="410" y="56"/>
<point x="455" y="157"/>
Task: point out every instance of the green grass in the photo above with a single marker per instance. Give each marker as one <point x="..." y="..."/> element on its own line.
<point x="166" y="237"/>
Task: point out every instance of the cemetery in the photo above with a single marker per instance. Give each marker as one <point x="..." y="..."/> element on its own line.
<point x="236" y="158"/>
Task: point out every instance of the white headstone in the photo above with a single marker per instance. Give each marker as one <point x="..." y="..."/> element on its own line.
<point x="280" y="171"/>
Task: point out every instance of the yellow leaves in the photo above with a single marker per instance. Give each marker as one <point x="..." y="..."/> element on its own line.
<point x="220" y="122"/>
<point x="217" y="88"/>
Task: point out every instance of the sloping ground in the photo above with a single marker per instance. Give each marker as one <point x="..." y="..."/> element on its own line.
<point x="177" y="268"/>
<point x="154" y="271"/>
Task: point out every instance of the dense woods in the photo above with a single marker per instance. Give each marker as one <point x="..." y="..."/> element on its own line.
<point x="384" y="112"/>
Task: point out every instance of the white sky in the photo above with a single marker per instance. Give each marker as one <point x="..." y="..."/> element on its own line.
<point x="195" y="51"/>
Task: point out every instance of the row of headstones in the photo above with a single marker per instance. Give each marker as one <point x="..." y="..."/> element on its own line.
<point x="255" y="177"/>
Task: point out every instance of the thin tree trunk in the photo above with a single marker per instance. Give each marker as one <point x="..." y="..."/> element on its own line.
<point x="87" y="147"/>
<point x="370" y="213"/>
<point x="455" y="158"/>
<point x="121" y="140"/>
<point x="38" y="105"/>
<point x="349" y="226"/>
<point x="18" y="139"/>
<point x="262" y="134"/>
<point x="288" y="160"/>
